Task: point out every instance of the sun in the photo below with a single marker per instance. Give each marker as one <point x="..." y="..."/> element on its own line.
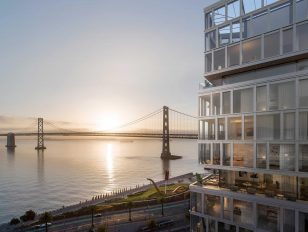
<point x="107" y="122"/>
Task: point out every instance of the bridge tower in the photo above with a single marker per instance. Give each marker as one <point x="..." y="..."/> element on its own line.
<point x="40" y="134"/>
<point x="166" y="146"/>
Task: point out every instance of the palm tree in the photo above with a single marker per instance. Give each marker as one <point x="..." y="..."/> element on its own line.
<point x="129" y="205"/>
<point x="46" y="217"/>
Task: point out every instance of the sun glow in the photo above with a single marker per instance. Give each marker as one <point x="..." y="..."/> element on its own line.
<point x="107" y="122"/>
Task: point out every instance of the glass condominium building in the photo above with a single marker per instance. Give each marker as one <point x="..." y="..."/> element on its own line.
<point x="253" y="118"/>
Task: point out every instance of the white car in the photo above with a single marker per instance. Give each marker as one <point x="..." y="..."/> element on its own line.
<point x="43" y="225"/>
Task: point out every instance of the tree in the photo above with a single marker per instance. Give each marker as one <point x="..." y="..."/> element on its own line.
<point x="199" y="178"/>
<point x="129" y="205"/>
<point x="28" y="216"/>
<point x="45" y="218"/>
<point x="14" y="221"/>
<point x="93" y="210"/>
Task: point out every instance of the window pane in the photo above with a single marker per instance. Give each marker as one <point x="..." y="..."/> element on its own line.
<point x="208" y="62"/>
<point x="226" y="155"/>
<point x="243" y="100"/>
<point x="287" y="40"/>
<point x="282" y="96"/>
<point x="242" y="211"/>
<point x="226" y="104"/>
<point x="261" y="155"/>
<point x="280" y="16"/>
<point x="289" y="126"/>
<point x="271" y="45"/>
<point x="303" y="125"/>
<point x="261" y="98"/>
<point x="216" y="153"/>
<point x="303" y="222"/>
<point x="196" y="202"/>
<point x="209" y="20"/>
<point x="303" y="158"/>
<point x="243" y="155"/>
<point x="210" y="40"/>
<point x="302" y="65"/>
<point x="233" y="55"/>
<point x="219" y="59"/>
<point x="288" y="220"/>
<point x="301" y="10"/>
<point x="209" y="129"/>
<point x="302" y="36"/>
<point x="205" y="105"/>
<point x="268" y="218"/>
<point x="221" y="129"/>
<point x="224" y="35"/>
<point x="236" y="32"/>
<point x="227" y="208"/>
<point x="268" y="2"/>
<point x="268" y="126"/>
<point x="212" y="205"/>
<point x="233" y="10"/>
<point x="251" y="50"/>
<point x="251" y="5"/>
<point x="260" y="23"/>
<point x="219" y="15"/>
<point x="303" y="93"/>
<point x="248" y="127"/>
<point x="235" y="128"/>
<point x="282" y="157"/>
<point x="247" y="28"/>
<point x="205" y="154"/>
<point x="216" y="104"/>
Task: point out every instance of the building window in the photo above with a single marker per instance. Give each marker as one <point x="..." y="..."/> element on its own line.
<point x="226" y="227"/>
<point x="243" y="100"/>
<point x="249" y="6"/>
<point x="219" y="15"/>
<point x="282" y="157"/>
<point x="301" y="10"/>
<point x="251" y="50"/>
<point x="303" y="222"/>
<point x="212" y="205"/>
<point x="233" y="10"/>
<point x="216" y="153"/>
<point x="247" y="28"/>
<point x="271" y="45"/>
<point x="208" y="129"/>
<point x="260" y="23"/>
<point x="303" y="93"/>
<point x="205" y="103"/>
<point x="303" y="125"/>
<point x="242" y="211"/>
<point x="227" y="213"/>
<point x="302" y="65"/>
<point x="287" y="40"/>
<point x="243" y="155"/>
<point x="224" y="35"/>
<point x="196" y="202"/>
<point x="288" y="220"/>
<point x="233" y="55"/>
<point x="302" y="36"/>
<point x="205" y="153"/>
<point x="268" y="218"/>
<point x="248" y="127"/>
<point x="226" y="155"/>
<point x="226" y="102"/>
<point x="219" y="59"/>
<point x="236" y="32"/>
<point x="289" y="126"/>
<point x="280" y="16"/>
<point x="261" y="155"/>
<point x="209" y="20"/>
<point x="268" y="2"/>
<point x="303" y="158"/>
<point x="216" y="104"/>
<point x="221" y="129"/>
<point x="208" y="62"/>
<point x="210" y="40"/>
<point x="268" y="126"/>
<point x="235" y="128"/>
<point x="261" y="98"/>
<point x="282" y="96"/>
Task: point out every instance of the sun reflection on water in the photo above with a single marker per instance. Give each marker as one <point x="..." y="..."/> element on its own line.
<point x="109" y="161"/>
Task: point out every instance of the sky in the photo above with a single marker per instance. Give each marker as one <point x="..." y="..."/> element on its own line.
<point x="88" y="61"/>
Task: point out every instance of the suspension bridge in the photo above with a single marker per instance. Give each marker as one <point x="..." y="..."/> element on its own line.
<point x="164" y="123"/>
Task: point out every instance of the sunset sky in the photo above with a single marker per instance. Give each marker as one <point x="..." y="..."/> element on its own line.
<point x="89" y="61"/>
